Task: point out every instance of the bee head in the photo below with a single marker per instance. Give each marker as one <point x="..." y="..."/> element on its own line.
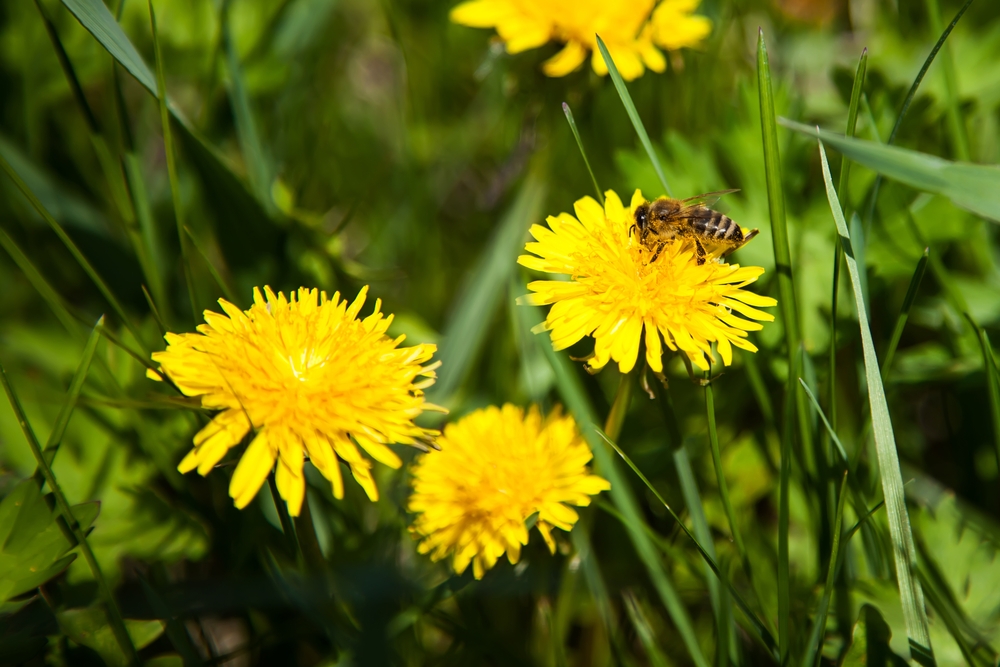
<point x="642" y="216"/>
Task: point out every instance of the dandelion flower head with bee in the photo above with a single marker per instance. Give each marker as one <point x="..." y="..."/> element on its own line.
<point x="623" y="292"/>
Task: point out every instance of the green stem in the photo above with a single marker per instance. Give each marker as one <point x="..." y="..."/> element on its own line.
<point x="305" y="530"/>
<point x="619" y="408"/>
<point x="168" y="147"/>
<point x="790" y="323"/>
<point x="583" y="153"/>
<point x="713" y="438"/>
<point x="992" y="382"/>
<point x="909" y="97"/>
<point x="110" y="606"/>
<point x="286" y="520"/>
<point x="904" y="313"/>
<point x="74" y="250"/>
<point x="956" y="127"/>
<point x="721" y="601"/>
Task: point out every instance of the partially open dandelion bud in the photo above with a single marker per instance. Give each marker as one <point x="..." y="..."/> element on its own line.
<point x="309" y="379"/>
<point x="496" y="468"/>
<point x="624" y="290"/>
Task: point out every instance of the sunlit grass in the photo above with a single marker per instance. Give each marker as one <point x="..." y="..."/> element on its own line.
<point x="827" y="499"/>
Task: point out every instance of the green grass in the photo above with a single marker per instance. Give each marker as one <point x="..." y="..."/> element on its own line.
<point x="829" y="500"/>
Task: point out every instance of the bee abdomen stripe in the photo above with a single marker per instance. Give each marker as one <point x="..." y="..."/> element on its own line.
<point x="725" y="228"/>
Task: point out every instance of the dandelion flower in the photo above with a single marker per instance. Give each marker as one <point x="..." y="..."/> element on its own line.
<point x="631" y="30"/>
<point x="310" y="379"/>
<point x="619" y="294"/>
<point x="497" y="467"/>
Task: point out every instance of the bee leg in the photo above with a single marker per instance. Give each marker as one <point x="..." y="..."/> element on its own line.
<point x="701" y="251"/>
<point x="659" y="247"/>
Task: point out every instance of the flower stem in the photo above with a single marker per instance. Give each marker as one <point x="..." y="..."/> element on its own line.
<point x="286" y="521"/>
<point x="713" y="437"/>
<point x="305" y="530"/>
<point x="721" y="601"/>
<point x="616" y="416"/>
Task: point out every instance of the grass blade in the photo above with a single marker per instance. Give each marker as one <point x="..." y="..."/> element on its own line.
<point x="838" y="253"/>
<point x="242" y="219"/>
<point x="111" y="607"/>
<point x="852" y="121"/>
<point x="992" y="383"/>
<point x="69" y="71"/>
<point x="911" y="94"/>
<point x="819" y="623"/>
<point x="644" y="631"/>
<point x="956" y="128"/>
<point x="633" y="115"/>
<point x="790" y="324"/>
<point x="923" y="70"/>
<point x="722" y="622"/>
<point x="713" y="439"/>
<point x="113" y="169"/>
<point x="721" y="601"/>
<point x="829" y="428"/>
<point x="762" y="631"/>
<point x="140" y="200"/>
<point x="974" y="187"/>
<point x="168" y="146"/>
<point x="70" y="320"/>
<point x="74" y="250"/>
<point x="258" y="166"/>
<point x="176" y="632"/>
<point x="226" y="290"/>
<point x="474" y="307"/>
<point x="776" y="201"/>
<point x="904" y="552"/>
<point x="904" y="313"/>
<point x="79" y="377"/>
<point x="95" y="17"/>
<point x="576" y="400"/>
<point x="41" y="285"/>
<point x="592" y="574"/>
<point x="579" y="143"/>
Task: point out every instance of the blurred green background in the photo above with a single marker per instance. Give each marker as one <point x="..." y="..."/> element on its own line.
<point x="342" y="143"/>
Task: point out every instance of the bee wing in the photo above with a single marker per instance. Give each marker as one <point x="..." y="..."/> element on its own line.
<point x="706" y="200"/>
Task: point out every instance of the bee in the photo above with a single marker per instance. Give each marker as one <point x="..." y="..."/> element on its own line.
<point x="666" y="219"/>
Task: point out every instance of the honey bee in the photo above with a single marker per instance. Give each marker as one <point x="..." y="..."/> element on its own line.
<point x="666" y="219"/>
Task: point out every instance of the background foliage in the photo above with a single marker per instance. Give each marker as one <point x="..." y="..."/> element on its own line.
<point x="338" y="143"/>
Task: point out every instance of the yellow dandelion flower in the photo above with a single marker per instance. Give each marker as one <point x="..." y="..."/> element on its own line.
<point x="616" y="293"/>
<point x="631" y="31"/>
<point x="497" y="467"/>
<point x="311" y="379"/>
<point x="674" y="25"/>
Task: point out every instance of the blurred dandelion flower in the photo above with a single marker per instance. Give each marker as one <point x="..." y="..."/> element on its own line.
<point x="615" y="292"/>
<point x="496" y="468"/>
<point x="631" y="30"/>
<point x="311" y="379"/>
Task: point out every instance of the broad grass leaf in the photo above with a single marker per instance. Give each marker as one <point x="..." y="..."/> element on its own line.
<point x="973" y="187"/>
<point x="33" y="548"/>
<point x="870" y="643"/>
<point x="89" y="627"/>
